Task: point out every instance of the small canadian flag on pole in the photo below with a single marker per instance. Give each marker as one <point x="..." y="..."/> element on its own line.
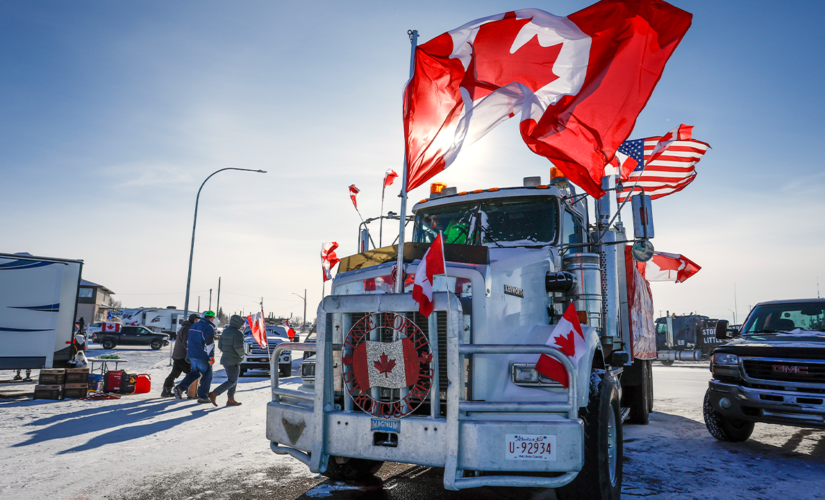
<point x="353" y="193"/>
<point x="258" y="328"/>
<point x="289" y="331"/>
<point x="569" y="339"/>
<point x="329" y="259"/>
<point x="431" y="265"/>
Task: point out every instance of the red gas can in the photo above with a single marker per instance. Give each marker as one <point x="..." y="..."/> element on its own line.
<point x="143" y="383"/>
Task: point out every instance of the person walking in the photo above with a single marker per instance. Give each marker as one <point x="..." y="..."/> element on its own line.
<point x="200" y="349"/>
<point x="231" y="344"/>
<point x="179" y="362"/>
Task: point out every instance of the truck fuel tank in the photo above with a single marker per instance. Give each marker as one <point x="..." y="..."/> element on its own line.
<point x="588" y="293"/>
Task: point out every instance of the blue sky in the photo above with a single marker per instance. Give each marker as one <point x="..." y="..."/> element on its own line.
<point x="112" y="114"/>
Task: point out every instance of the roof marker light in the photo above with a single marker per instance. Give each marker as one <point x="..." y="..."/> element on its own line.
<point x="493" y="189"/>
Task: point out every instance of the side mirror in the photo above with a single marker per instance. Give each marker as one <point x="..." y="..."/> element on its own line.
<point x="642" y="216"/>
<point x="722" y="329"/>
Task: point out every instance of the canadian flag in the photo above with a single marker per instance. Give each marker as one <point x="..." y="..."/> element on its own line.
<point x="353" y="192"/>
<point x="258" y="328"/>
<point x="289" y="331"/>
<point x="328" y="259"/>
<point x="668" y="267"/>
<point x="431" y="264"/>
<point x="110" y="327"/>
<point x="569" y="339"/>
<point x="579" y="82"/>
<point x="389" y="178"/>
<point x="392" y="365"/>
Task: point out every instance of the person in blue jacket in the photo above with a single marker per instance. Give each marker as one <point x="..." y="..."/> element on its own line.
<point x="200" y="349"/>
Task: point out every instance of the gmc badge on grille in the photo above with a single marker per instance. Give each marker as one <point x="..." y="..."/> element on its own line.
<point x="801" y="370"/>
<point x="511" y="290"/>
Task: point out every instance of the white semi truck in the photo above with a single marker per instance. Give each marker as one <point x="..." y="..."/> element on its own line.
<point x="38" y="303"/>
<point x="459" y="389"/>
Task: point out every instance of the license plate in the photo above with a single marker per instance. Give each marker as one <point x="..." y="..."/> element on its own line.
<point x="530" y="447"/>
<point x="381" y="425"/>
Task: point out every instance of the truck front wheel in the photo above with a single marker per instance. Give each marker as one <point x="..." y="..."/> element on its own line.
<point x="601" y="476"/>
<point x="351" y="469"/>
<point x="725" y="428"/>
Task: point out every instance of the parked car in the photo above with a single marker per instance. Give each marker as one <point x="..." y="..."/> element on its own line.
<point x="257" y="357"/>
<point x="131" y="335"/>
<point x="772" y="372"/>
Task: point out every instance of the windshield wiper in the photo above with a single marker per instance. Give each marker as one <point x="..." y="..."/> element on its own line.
<point x="761" y="331"/>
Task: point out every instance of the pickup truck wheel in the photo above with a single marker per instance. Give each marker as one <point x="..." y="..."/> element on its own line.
<point x="601" y="476"/>
<point x="354" y="468"/>
<point x="286" y="371"/>
<point x="156" y="344"/>
<point x="725" y="428"/>
<point x="639" y="398"/>
<point x="667" y="362"/>
<point x="108" y="344"/>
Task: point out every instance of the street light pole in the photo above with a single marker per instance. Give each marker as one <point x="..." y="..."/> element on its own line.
<point x="305" y="308"/>
<point x="194" y="225"/>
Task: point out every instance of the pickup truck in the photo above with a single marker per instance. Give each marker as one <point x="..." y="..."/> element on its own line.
<point x="772" y="372"/>
<point x="257" y="358"/>
<point x="131" y="335"/>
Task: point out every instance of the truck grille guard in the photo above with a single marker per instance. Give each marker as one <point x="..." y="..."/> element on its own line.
<point x="339" y="307"/>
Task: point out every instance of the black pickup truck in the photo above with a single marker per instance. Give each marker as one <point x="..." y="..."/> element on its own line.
<point x="772" y="372"/>
<point x="131" y="335"/>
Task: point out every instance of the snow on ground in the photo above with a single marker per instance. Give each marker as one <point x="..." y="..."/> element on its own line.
<point x="143" y="447"/>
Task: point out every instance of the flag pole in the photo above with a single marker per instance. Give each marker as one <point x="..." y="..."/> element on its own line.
<point x="399" y="278"/>
<point x="381" y="216"/>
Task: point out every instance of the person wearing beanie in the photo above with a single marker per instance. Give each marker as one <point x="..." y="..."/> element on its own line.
<point x="200" y="349"/>
<point x="179" y="362"/>
<point x="231" y="345"/>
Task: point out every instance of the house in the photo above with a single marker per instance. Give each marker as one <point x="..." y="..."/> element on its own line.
<point x="93" y="302"/>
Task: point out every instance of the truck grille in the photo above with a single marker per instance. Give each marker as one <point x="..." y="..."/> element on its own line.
<point x="785" y="370"/>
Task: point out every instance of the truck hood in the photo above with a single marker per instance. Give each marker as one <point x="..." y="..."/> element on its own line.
<point x="796" y="344"/>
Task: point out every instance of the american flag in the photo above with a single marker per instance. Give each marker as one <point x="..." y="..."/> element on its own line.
<point x="669" y="171"/>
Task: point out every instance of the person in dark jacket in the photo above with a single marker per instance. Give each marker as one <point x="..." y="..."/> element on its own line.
<point x="200" y="349"/>
<point x="179" y="362"/>
<point x="231" y="345"/>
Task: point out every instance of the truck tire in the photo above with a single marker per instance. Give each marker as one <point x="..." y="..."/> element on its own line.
<point x="639" y="397"/>
<point x="650" y="387"/>
<point x="354" y="468"/>
<point x="667" y="362"/>
<point x="725" y="428"/>
<point x="108" y="344"/>
<point x="601" y="476"/>
<point x="286" y="371"/>
<point x="156" y="344"/>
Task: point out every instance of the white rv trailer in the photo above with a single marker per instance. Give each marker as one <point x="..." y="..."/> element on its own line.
<point x="38" y="303"/>
<point x="166" y="320"/>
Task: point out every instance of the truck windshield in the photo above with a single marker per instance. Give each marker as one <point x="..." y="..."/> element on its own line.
<point x="502" y="222"/>
<point x="788" y="317"/>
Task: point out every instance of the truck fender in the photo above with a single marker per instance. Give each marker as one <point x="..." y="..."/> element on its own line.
<point x="593" y="358"/>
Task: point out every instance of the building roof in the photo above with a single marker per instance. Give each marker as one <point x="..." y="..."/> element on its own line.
<point x="95" y="285"/>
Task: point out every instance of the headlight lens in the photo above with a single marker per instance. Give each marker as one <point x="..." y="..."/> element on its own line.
<point x="725" y="359"/>
<point x="525" y="375"/>
<point x="308" y="370"/>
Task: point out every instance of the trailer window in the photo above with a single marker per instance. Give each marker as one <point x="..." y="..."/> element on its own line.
<point x="517" y="221"/>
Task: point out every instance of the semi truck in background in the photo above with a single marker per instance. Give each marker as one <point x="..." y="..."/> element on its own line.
<point x="460" y="389"/>
<point x="38" y="304"/>
<point x="688" y="337"/>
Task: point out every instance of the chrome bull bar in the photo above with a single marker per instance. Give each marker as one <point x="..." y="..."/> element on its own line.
<point x="334" y="321"/>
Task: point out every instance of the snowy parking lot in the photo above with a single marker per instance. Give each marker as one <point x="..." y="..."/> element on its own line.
<point x="144" y="447"/>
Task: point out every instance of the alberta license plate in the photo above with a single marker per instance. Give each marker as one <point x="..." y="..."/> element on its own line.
<point x="530" y="447"/>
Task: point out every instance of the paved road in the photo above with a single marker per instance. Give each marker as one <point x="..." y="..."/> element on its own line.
<point x="673" y="457"/>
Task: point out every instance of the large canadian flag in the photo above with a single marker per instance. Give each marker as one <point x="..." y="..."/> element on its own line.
<point x="668" y="267"/>
<point x="579" y="83"/>
<point x="110" y="327"/>
<point x="569" y="339"/>
<point x="431" y="265"/>
<point x="258" y="328"/>
<point x="393" y="365"/>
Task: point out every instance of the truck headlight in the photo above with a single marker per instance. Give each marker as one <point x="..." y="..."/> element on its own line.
<point x="308" y="370"/>
<point x="525" y="375"/>
<point x="725" y="359"/>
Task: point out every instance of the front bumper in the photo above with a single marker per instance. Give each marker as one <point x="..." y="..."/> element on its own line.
<point x="802" y="409"/>
<point x="422" y="440"/>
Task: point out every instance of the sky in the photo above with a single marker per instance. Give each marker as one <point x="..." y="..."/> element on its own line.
<point x="113" y="113"/>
